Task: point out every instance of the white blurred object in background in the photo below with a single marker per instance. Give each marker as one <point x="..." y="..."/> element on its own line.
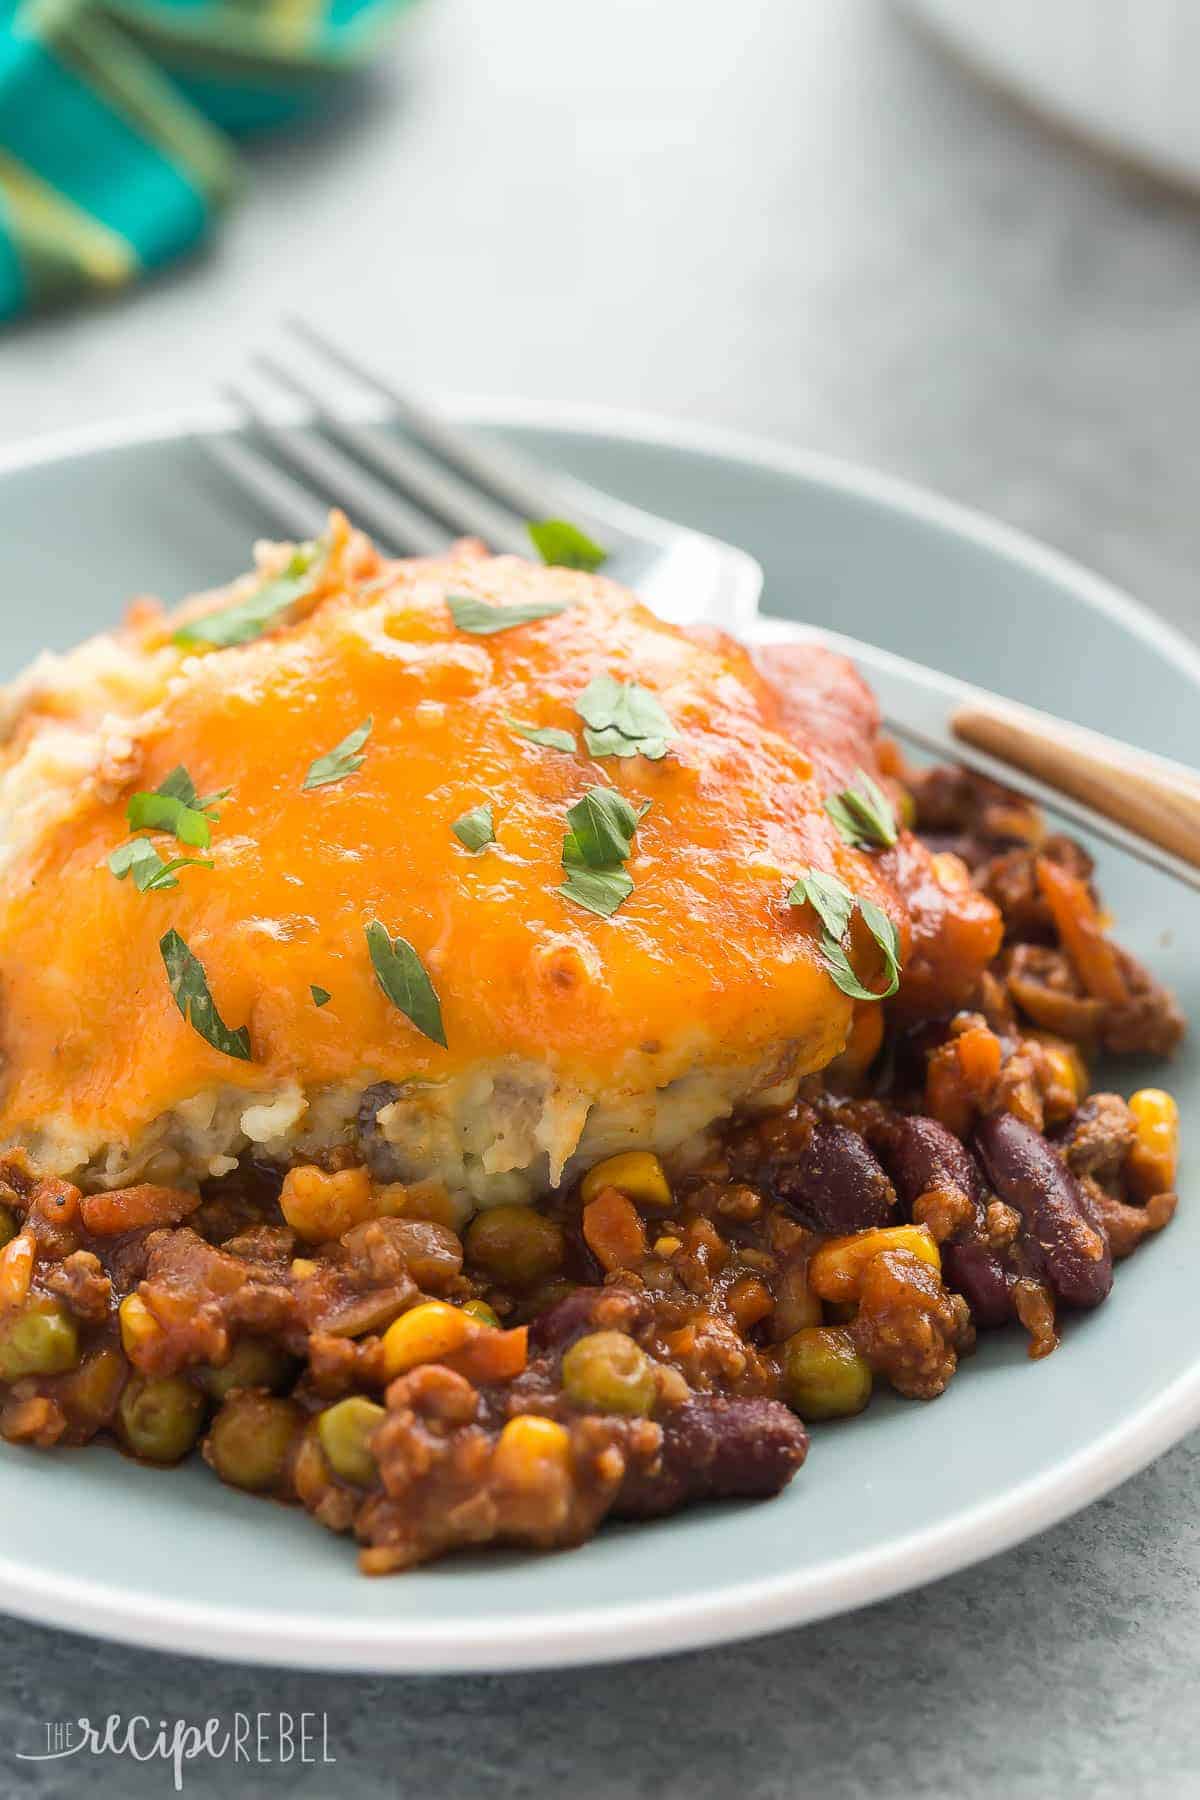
<point x="1122" y="73"/>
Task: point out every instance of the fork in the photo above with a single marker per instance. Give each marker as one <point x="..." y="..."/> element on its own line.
<point x="418" y="491"/>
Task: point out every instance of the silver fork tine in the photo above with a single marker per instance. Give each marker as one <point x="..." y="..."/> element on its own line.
<point x="463" y="507"/>
<point x="293" y="507"/>
<point x="495" y="470"/>
<point x="398" y="524"/>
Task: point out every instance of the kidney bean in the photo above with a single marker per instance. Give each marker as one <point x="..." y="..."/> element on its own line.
<point x="717" y="1449"/>
<point x="973" y="1269"/>
<point x="922" y="1155"/>
<point x="830" y="1179"/>
<point x="379" y="1156"/>
<point x="587" y="1309"/>
<point x="1058" y="1234"/>
<point x="389" y="1161"/>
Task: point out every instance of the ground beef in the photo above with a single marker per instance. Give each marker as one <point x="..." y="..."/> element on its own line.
<point x="1010" y="879"/>
<point x="610" y="1356"/>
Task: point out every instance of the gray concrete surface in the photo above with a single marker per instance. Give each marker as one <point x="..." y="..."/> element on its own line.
<point x="803" y="221"/>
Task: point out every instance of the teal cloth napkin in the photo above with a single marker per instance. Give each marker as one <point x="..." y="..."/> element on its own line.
<point x="117" y="119"/>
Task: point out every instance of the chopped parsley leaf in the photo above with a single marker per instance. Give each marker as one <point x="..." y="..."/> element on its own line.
<point x="475" y="829"/>
<point x="341" y="761"/>
<point x="189" y="985"/>
<point x="248" y="619"/>
<point x="150" y="872"/>
<point x="548" y="736"/>
<point x="863" y="814"/>
<point x="623" y="719"/>
<point x="401" y="975"/>
<point x="834" y="904"/>
<point x="597" y="844"/>
<point x="176" y="807"/>
<point x="597" y="890"/>
<point x="482" y="620"/>
<point x="563" y="545"/>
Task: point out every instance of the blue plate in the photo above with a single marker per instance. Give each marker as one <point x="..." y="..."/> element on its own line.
<point x="906" y="1493"/>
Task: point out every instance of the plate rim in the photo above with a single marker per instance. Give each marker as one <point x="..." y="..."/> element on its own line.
<point x="577" y="1637"/>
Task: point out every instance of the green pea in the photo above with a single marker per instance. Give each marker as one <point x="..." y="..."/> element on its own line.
<point x="607" y="1372"/>
<point x="251" y="1438"/>
<point x="515" y="1246"/>
<point x="252" y="1363"/>
<point x="160" y="1418"/>
<point x="824" y="1377"/>
<point x="344" y="1431"/>
<point x="41" y="1339"/>
<point x="9" y="1225"/>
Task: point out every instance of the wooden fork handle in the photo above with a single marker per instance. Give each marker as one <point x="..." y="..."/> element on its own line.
<point x="1159" y="800"/>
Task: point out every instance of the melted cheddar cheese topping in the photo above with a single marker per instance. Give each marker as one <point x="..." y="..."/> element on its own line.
<point x="705" y="965"/>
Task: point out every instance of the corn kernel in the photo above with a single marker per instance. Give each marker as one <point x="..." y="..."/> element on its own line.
<point x="637" y="1173"/>
<point x="419" y="1200"/>
<point x="139" y="1326"/>
<point x="1065" y="1062"/>
<point x="16" y="1269"/>
<point x="950" y="871"/>
<point x="1153" y="1157"/>
<point x="836" y="1271"/>
<point x="303" y="1268"/>
<point x="529" y="1449"/>
<point x="667" y="1246"/>
<point x="426" y="1334"/>
<point x="319" y="1206"/>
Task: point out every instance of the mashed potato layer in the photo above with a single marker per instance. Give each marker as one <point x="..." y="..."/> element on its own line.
<point x="567" y="1034"/>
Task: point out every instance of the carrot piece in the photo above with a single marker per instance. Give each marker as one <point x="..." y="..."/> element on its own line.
<point x="128" y="1209"/>
<point x="55" y="1200"/>
<point x="613" y="1230"/>
<point x="491" y="1355"/>
<point x="979" y="1059"/>
<point x="961" y="1077"/>
<point x="749" y="1300"/>
<point x="16" y="1269"/>
<point x="1082" y="935"/>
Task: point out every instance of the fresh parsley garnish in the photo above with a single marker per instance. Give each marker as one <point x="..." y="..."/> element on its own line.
<point x="562" y="544"/>
<point x="829" y="898"/>
<point x="402" y="977"/>
<point x="597" y="890"/>
<point x="482" y="620"/>
<point x="596" y="846"/>
<point x="834" y="905"/>
<point x="342" y="760"/>
<point x="623" y="719"/>
<point x="863" y="814"/>
<point x="176" y="807"/>
<point x="150" y="872"/>
<point x="602" y="825"/>
<point x="476" y="828"/>
<point x="189" y="985"/>
<point x="248" y="619"/>
<point x="548" y="736"/>
<point x="321" y="996"/>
